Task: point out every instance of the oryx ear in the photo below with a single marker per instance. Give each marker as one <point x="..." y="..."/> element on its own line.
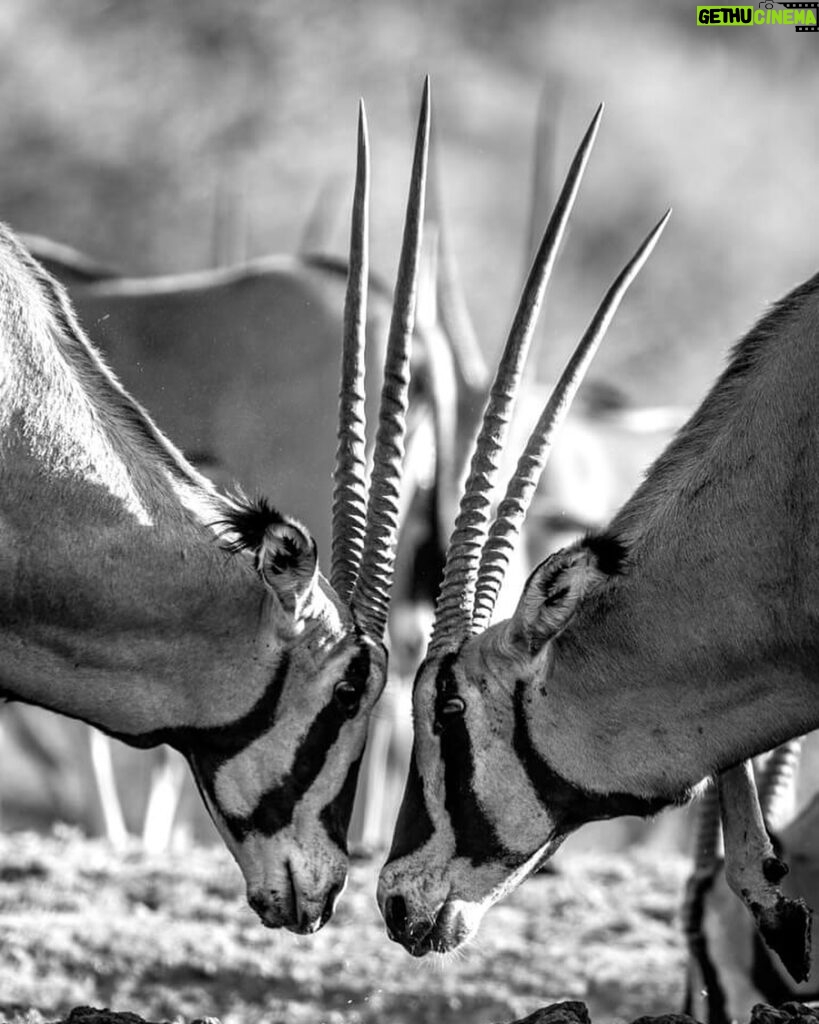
<point x="288" y="563"/>
<point x="552" y="593"/>
<point x="282" y="550"/>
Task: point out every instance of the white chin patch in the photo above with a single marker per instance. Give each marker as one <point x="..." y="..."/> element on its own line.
<point x="465" y="917"/>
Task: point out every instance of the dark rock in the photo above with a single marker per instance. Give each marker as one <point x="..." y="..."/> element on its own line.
<point x="787" y="1013"/>
<point x="568" y="1012"/>
<point x="577" y="1013"/>
<point x="92" y="1015"/>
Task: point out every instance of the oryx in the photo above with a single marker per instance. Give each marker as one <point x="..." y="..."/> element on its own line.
<point x="239" y="365"/>
<point x="639" y="660"/>
<point x="136" y="597"/>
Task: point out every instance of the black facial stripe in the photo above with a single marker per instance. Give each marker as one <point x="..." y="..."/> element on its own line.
<point x="414" y="826"/>
<point x="207" y="749"/>
<point x="475" y="836"/>
<point x="569" y="805"/>
<point x="220" y="741"/>
<point x="274" y="811"/>
<point x="335" y="816"/>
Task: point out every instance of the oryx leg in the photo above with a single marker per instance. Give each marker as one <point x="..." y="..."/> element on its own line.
<point x="167" y="778"/>
<point x="102" y="762"/>
<point x="372" y="830"/>
<point x="753" y="872"/>
<point x="700" y="969"/>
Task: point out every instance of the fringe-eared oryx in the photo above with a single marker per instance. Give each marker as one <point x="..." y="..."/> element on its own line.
<point x="137" y="598"/>
<point x="639" y="660"/>
<point x="238" y="365"/>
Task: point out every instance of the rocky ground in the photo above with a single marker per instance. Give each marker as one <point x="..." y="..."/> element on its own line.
<point x="173" y="938"/>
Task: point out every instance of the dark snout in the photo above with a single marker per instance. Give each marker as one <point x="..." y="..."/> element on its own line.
<point x="292" y="908"/>
<point x="440" y="932"/>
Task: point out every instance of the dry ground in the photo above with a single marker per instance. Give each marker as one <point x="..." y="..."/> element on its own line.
<point x="173" y="937"/>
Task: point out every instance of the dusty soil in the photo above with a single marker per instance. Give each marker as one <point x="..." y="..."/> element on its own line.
<point x="173" y="937"/>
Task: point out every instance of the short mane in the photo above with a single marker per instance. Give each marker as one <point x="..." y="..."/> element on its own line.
<point x="125" y="417"/>
<point x="696" y="437"/>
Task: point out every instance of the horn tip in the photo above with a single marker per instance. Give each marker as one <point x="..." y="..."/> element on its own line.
<point x="591" y="132"/>
<point x="660" y="225"/>
<point x="362" y="122"/>
<point x="424" y="122"/>
<point x="426" y="97"/>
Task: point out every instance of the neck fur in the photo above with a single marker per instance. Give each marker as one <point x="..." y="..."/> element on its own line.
<point x="111" y="578"/>
<point x="705" y="650"/>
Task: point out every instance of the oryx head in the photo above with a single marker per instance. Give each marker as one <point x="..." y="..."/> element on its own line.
<point x="279" y="780"/>
<point x="473" y="823"/>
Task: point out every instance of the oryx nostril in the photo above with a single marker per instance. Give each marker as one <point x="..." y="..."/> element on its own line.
<point x="330" y="903"/>
<point x="258" y="903"/>
<point x="307" y="925"/>
<point x="395" y="915"/>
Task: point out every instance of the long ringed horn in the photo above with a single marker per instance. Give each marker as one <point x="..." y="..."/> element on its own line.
<point x="350" y="489"/>
<point x="512" y="510"/>
<point x="453" y="612"/>
<point x="776" y="781"/>
<point x="370" y="597"/>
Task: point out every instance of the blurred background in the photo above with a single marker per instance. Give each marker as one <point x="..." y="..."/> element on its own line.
<point x="120" y="120"/>
<point x="132" y="130"/>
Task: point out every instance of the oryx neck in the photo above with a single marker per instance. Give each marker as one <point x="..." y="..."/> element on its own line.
<point x="110" y="579"/>
<point x="91" y="615"/>
<point x="706" y="648"/>
<point x="64" y="414"/>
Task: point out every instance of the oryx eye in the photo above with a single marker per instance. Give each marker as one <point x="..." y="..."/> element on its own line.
<point x="453" y="706"/>
<point x="347" y="695"/>
<point x="448" y="710"/>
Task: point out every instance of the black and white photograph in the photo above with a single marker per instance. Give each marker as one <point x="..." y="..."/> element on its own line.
<point x="409" y="512"/>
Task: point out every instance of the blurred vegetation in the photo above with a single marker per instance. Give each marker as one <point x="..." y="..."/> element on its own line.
<point x="123" y="119"/>
<point x="173" y="939"/>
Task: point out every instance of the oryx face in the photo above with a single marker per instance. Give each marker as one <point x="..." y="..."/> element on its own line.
<point x="279" y="781"/>
<point x="283" y="798"/>
<point x="471" y="825"/>
<point x="495" y="782"/>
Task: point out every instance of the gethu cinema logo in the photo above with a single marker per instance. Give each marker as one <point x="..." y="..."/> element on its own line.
<point x="803" y="16"/>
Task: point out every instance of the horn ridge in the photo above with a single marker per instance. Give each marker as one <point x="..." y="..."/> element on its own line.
<point x="371" y="593"/>
<point x="350" y="483"/>
<point x="512" y="510"/>
<point x="453" y="613"/>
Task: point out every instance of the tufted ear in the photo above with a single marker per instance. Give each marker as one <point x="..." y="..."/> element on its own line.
<point x="553" y="592"/>
<point x="282" y="550"/>
<point x="287" y="561"/>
